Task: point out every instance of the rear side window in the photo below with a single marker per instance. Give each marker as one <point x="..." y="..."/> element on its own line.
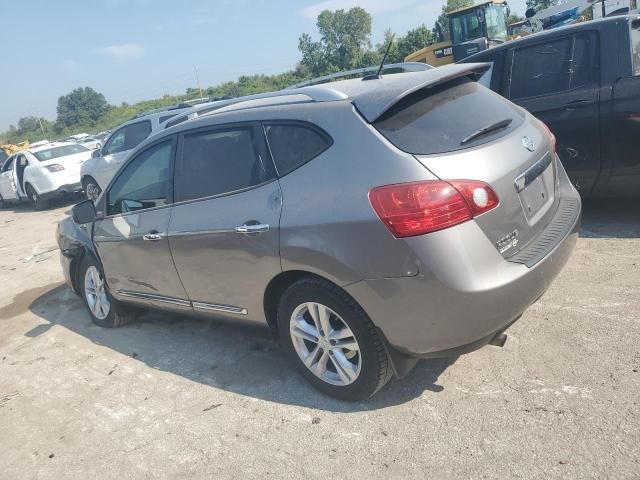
<point x="220" y="161"/>
<point x="442" y="119"/>
<point x="554" y="67"/>
<point x="294" y="144"/>
<point x="541" y="69"/>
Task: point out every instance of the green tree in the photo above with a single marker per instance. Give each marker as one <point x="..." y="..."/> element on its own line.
<point x="450" y="6"/>
<point x="513" y="18"/>
<point x="83" y="106"/>
<point x="343" y="45"/>
<point x="26" y="124"/>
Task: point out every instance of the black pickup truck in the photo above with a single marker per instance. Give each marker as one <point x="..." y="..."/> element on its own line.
<point x="583" y="81"/>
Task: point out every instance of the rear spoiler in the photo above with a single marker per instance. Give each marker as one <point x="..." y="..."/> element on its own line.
<point x="375" y="103"/>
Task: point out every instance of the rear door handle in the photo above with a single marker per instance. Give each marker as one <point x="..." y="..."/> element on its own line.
<point x="152" y="236"/>
<point x="258" y="228"/>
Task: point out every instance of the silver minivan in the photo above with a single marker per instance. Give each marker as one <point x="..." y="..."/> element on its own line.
<point x="368" y="223"/>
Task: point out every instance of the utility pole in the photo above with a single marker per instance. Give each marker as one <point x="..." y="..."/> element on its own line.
<point x="198" y="80"/>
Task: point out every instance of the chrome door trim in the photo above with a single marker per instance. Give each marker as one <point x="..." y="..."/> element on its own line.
<point x="155" y="298"/>
<point x="212" y="307"/>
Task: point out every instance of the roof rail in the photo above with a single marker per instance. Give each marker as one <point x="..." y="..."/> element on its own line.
<point x="313" y="93"/>
<point x="406" y="66"/>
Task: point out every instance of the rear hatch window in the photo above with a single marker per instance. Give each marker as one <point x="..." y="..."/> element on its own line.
<point x="454" y="116"/>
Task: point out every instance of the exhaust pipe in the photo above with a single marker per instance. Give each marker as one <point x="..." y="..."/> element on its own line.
<point x="499" y="340"/>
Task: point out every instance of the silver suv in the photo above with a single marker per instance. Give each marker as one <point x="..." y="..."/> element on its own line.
<point x="106" y="160"/>
<point x="368" y="223"/>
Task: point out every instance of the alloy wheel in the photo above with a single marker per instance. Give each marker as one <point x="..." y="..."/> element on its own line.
<point x="93" y="191"/>
<point x="96" y="294"/>
<point x="325" y="344"/>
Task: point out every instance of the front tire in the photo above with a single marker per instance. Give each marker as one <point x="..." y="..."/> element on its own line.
<point x="332" y="341"/>
<point x="91" y="189"/>
<point x="104" y="310"/>
<point x="36" y="200"/>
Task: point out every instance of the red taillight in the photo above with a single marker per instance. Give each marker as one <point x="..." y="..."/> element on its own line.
<point x="552" y="137"/>
<point x="410" y="209"/>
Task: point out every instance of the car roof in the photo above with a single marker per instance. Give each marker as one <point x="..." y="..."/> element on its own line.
<point x="559" y="31"/>
<point x="371" y="97"/>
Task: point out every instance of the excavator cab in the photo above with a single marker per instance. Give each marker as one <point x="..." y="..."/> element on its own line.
<point x="476" y="28"/>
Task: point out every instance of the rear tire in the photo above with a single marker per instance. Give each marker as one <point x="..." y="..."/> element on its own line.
<point x="2" y="204"/>
<point x="104" y="310"/>
<point x="36" y="200"/>
<point x="349" y="362"/>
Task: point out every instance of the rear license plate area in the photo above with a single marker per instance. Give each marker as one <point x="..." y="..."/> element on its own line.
<point x="536" y="189"/>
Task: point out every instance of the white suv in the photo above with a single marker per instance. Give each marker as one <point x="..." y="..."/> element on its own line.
<point x="42" y="172"/>
<point x="98" y="171"/>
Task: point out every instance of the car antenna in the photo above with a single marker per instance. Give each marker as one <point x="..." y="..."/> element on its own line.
<point x="386" y="54"/>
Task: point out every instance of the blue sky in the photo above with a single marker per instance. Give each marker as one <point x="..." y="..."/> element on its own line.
<point x="131" y="50"/>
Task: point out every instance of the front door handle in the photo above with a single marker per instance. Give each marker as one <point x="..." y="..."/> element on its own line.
<point x="257" y="228"/>
<point x="577" y="104"/>
<point x="152" y="236"/>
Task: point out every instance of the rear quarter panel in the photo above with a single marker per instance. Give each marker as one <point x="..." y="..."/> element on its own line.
<point x="328" y="226"/>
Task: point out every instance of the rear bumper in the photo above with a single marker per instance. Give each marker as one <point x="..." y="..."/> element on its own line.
<point x="62" y="190"/>
<point x="465" y="294"/>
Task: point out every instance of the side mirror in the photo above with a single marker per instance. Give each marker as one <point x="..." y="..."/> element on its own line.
<point x="95" y="153"/>
<point x="84" y="212"/>
<point x="23" y="162"/>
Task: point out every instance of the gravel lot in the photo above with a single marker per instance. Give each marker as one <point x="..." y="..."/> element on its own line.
<point x="177" y="397"/>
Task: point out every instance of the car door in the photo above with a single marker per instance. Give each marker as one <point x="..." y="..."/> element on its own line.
<point x="131" y="239"/>
<point x="117" y="149"/>
<point x="7" y="180"/>
<point x="624" y="145"/>
<point x="224" y="230"/>
<point x="558" y="81"/>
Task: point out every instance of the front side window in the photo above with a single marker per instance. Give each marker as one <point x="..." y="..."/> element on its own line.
<point x="128" y="137"/>
<point x="218" y="162"/>
<point x="144" y="183"/>
<point x="293" y="145"/>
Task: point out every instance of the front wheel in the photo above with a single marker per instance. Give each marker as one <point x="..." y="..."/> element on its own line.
<point x="104" y="310"/>
<point x="91" y="189"/>
<point x="36" y="200"/>
<point x="332" y="341"/>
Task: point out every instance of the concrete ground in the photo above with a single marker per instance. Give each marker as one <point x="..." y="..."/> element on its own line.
<point x="177" y="397"/>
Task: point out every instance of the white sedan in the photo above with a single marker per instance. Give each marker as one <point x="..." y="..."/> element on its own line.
<point x="42" y="172"/>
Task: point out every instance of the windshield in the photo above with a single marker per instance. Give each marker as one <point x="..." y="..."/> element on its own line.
<point x="490" y="22"/>
<point x="467" y="27"/>
<point x="57" y="152"/>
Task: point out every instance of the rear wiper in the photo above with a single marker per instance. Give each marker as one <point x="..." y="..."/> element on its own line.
<point x="488" y="129"/>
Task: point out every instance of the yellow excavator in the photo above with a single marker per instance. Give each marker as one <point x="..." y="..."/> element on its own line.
<point x="472" y="29"/>
<point x="10" y="149"/>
